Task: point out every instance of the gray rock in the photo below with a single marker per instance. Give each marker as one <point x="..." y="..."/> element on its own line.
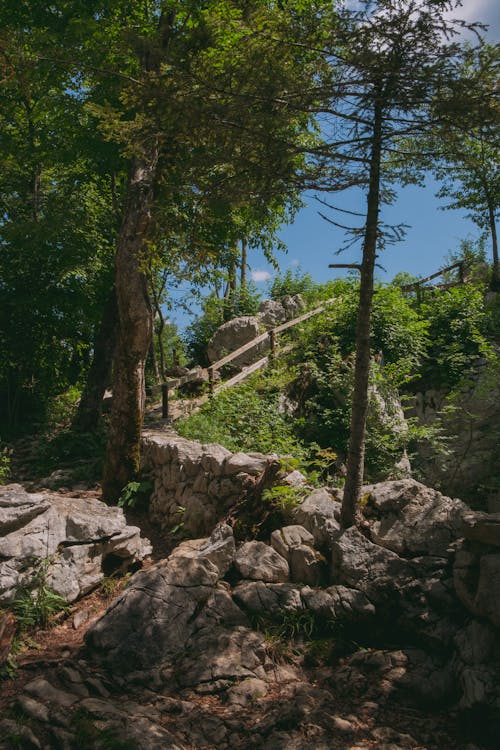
<point x="247" y="691"/>
<point x="77" y="534"/>
<point x="479" y="686"/>
<point x="32" y="708"/>
<point x="476" y="577"/>
<point x="482" y="527"/>
<point x="248" y="463"/>
<point x="283" y="540"/>
<point x="307" y="566"/>
<point x="374" y="570"/>
<point x="22" y="735"/>
<point x="338" y="603"/>
<point x="294" y="305"/>
<point x="215" y="658"/>
<point x="155" y="615"/>
<point x="475" y="643"/>
<point x="259" y="562"/>
<point x="232" y="335"/>
<point x="219" y="548"/>
<point x="41" y="688"/>
<point x="269" y="598"/>
<point x="319" y="513"/>
<point x="272" y="313"/>
<point x="411" y="519"/>
<point x="294" y="479"/>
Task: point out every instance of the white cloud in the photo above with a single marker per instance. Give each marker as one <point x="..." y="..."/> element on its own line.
<point x="260" y="276"/>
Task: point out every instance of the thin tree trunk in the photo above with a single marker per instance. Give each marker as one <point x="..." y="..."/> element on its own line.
<point x="154" y="361"/>
<point x="356" y="451"/>
<point x="156" y="296"/>
<point x="495" y="271"/>
<point x="89" y="411"/>
<point x="244" y="261"/>
<point x="135" y="331"/>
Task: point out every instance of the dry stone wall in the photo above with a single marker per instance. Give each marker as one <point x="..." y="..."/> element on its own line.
<point x="194" y="484"/>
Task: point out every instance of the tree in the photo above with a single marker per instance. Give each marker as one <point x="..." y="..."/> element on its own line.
<point x="469" y="147"/>
<point x="57" y="225"/>
<point x="389" y="62"/>
<point x="187" y="64"/>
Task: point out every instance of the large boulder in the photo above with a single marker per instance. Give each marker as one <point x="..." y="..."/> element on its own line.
<point x="411" y="519"/>
<point x="79" y="538"/>
<point x="177" y="624"/>
<point x="319" y="513"/>
<point x="272" y="313"/>
<point x="233" y="334"/>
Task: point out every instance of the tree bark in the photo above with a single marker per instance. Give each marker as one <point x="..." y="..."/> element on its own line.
<point x="356" y="450"/>
<point x="135" y="330"/>
<point x="244" y="261"/>
<point x="89" y="411"/>
<point x="495" y="271"/>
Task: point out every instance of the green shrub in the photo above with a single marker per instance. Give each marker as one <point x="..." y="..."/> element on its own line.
<point x="35" y="603"/>
<point x="136" y="495"/>
<point x="5" y="468"/>
<point x="245" y="418"/>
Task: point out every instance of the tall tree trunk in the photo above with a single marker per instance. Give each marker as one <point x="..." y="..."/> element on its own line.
<point x="89" y="411"/>
<point x="244" y="261"/>
<point x="156" y="297"/>
<point x="495" y="271"/>
<point x="356" y="451"/>
<point x="135" y="330"/>
<point x="154" y="361"/>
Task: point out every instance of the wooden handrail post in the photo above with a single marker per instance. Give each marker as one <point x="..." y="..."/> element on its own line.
<point x="164" y="401"/>
<point x="211" y="380"/>
<point x="272" y="341"/>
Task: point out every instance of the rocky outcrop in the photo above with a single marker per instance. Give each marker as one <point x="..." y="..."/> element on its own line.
<point x="239" y="331"/>
<point x="185" y="627"/>
<point x="195" y="485"/>
<point x="233" y="334"/>
<point x="80" y="538"/>
<point x="411" y="519"/>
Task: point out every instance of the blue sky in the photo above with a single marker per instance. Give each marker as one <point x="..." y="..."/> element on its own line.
<point x="432" y="233"/>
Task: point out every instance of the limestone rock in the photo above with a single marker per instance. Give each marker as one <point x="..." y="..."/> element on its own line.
<point x="482" y="527"/>
<point x="338" y="603"/>
<point x="283" y="540"/>
<point x="219" y="548"/>
<point x="477" y="581"/>
<point x="155" y="615"/>
<point x="268" y="598"/>
<point x="272" y="313"/>
<point x="307" y="566"/>
<point x="232" y="335"/>
<point x="247" y="691"/>
<point x="374" y="570"/>
<point x="411" y="519"/>
<point x="319" y="513"/>
<point x="83" y="537"/>
<point x="259" y="562"/>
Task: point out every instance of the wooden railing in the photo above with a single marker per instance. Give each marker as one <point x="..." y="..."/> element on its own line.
<point x="417" y="285"/>
<point x="209" y="373"/>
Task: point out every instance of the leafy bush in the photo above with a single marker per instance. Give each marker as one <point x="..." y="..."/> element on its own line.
<point x="35" y="603"/>
<point x="215" y="313"/>
<point x="136" y="495"/>
<point x="245" y="419"/>
<point x="457" y="320"/>
<point x="293" y="282"/>
<point x="5" y="455"/>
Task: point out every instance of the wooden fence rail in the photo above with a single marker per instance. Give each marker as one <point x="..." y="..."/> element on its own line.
<point x="416" y="285"/>
<point x="199" y="373"/>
